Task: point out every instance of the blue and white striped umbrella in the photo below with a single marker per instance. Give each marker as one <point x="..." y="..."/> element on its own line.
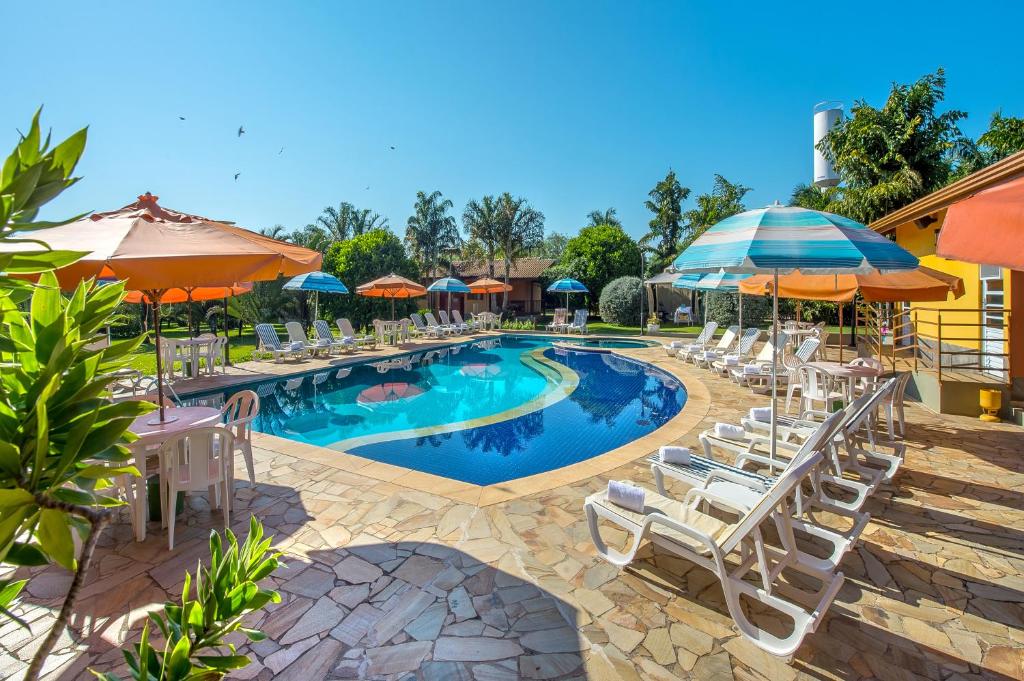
<point x="567" y="286"/>
<point x="785" y="239"/>
<point x="710" y="281"/>
<point x="778" y="240"/>
<point x="316" y="282"/>
<point x="449" y="285"/>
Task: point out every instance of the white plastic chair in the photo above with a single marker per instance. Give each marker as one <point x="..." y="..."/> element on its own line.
<point x="238" y="414"/>
<point x="194" y="461"/>
<point x="325" y="335"/>
<point x="297" y="336"/>
<point x="345" y="327"/>
<point x="817" y="388"/>
<point x="271" y="342"/>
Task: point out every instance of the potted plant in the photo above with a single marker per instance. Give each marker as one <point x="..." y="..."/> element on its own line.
<point x="653" y="323"/>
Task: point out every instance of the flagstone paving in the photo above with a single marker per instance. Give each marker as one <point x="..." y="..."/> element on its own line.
<point x="387" y="582"/>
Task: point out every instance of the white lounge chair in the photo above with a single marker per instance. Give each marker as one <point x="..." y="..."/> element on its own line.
<point x="297" y="336"/>
<point x="693" y="533"/>
<point x="558" y="320"/>
<point x="469" y="326"/>
<point x="325" y="335"/>
<point x="744" y="346"/>
<point x="422" y="328"/>
<point x="362" y="341"/>
<point x="579" y="323"/>
<point x="270" y="342"/>
<point x="758" y="373"/>
<point x="460" y="327"/>
<point x="446" y="329"/>
<point x="700" y="343"/>
<point x="706" y="357"/>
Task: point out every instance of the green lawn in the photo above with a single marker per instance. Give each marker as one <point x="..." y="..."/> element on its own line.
<point x="604" y="327"/>
<point x="240" y="348"/>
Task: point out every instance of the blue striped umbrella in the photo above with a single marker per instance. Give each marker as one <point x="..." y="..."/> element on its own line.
<point x="567" y="286"/>
<point x="780" y="239"/>
<point x="449" y="285"/>
<point x="316" y="282"/>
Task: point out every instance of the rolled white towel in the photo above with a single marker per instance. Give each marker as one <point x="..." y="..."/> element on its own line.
<point x="710" y="355"/>
<point x="322" y="343"/>
<point x="752" y="369"/>
<point x="626" y="495"/>
<point x="296" y="345"/>
<point x="762" y="414"/>
<point x="674" y="454"/>
<point x="729" y="431"/>
<point x="731" y="360"/>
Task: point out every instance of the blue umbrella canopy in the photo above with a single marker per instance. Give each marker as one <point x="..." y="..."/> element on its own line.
<point x="449" y="285"/>
<point x="316" y="281"/>
<point x="568" y="286"/>
<point x="711" y="281"/>
<point x="785" y="239"/>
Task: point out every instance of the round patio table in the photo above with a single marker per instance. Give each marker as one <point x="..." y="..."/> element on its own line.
<point x="153" y="435"/>
<point x="194" y="346"/>
<point x="846" y="373"/>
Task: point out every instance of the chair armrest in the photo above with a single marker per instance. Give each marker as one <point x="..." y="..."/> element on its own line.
<point x="733" y="477"/>
<point x="697" y="494"/>
<point x="773" y="464"/>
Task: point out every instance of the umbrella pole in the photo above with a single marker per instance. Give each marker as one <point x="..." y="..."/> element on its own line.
<point x="775" y="361"/>
<point x="156" y="296"/>
<point x="188" y="302"/>
<point x="840" y="332"/>
<point x="741" y="314"/>
<point x="227" y="336"/>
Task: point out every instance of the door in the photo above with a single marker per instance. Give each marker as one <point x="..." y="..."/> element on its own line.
<point x="993" y="330"/>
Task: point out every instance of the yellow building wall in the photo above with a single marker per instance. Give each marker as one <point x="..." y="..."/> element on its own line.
<point x="921" y="242"/>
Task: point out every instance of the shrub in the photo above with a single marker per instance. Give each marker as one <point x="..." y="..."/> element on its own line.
<point x="620" y="301"/>
<point x="723" y="307"/>
<point x="518" y="324"/>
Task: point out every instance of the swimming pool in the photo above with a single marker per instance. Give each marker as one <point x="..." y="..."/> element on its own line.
<point x="608" y="343"/>
<point x="481" y="415"/>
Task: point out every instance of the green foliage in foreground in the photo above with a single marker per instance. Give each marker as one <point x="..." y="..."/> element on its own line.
<point x="194" y="632"/>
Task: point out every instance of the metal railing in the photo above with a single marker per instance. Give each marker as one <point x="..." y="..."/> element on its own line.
<point x="932" y="339"/>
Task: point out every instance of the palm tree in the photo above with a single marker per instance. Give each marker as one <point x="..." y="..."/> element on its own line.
<point x="337" y="222"/>
<point x="814" y="197"/>
<point x="275" y="232"/>
<point x="312" y="236"/>
<point x="480" y="220"/>
<point x="607" y="217"/>
<point x="366" y="220"/>
<point x="724" y="200"/>
<point x="519" y="228"/>
<point x="431" y="234"/>
<point x="666" y="227"/>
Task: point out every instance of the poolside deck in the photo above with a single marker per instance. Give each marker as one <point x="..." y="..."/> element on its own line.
<point x="386" y="581"/>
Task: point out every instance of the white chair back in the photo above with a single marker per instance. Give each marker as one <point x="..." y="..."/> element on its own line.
<point x="457" y="316"/>
<point x="296" y="334"/>
<point x="239" y="412"/>
<point x="747" y="341"/>
<point x="706" y="333"/>
<point x="197" y="458"/>
<point x="323" y="330"/>
<point x="345" y="327"/>
<point x="268" y="337"/>
<point x="728" y="338"/>
<point x="431" y="321"/>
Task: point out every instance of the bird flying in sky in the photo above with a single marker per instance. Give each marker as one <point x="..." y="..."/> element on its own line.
<point x="236" y="176"/>
<point x="241" y="131"/>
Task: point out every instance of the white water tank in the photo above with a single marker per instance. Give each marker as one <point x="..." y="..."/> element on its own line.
<point x="826" y="115"/>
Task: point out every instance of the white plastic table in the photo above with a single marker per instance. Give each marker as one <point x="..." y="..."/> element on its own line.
<point x="846" y="373"/>
<point x="194" y="345"/>
<point x="150" y="436"/>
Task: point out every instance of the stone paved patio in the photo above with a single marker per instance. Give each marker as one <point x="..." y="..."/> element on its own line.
<point x="388" y="582"/>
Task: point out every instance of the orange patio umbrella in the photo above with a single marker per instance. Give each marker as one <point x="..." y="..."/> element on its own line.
<point x="155" y="249"/>
<point x="986" y="228"/>
<point x="486" y="285"/>
<point x="181" y="295"/>
<point x="391" y="286"/>
<point x="918" y="285"/>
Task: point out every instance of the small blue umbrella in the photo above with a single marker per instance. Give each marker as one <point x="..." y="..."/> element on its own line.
<point x="449" y="285"/>
<point x="567" y="286"/>
<point x="316" y="282"/>
<point x="782" y="239"/>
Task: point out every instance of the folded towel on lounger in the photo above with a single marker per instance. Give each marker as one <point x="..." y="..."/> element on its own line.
<point x="674" y="454"/>
<point x="729" y="431"/>
<point x="752" y="369"/>
<point x="731" y="360"/>
<point x="763" y="414"/>
<point x="296" y="345"/>
<point x="626" y="495"/>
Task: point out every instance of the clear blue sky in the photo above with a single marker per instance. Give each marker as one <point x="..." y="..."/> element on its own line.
<point x="575" y="105"/>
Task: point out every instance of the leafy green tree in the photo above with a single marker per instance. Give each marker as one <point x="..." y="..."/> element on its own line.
<point x="361" y="259"/>
<point x="595" y="256"/>
<point x="267" y="302"/>
<point x="1005" y="136"/>
<point x="666" y="227"/>
<point x="519" y="229"/>
<point x="480" y="220"/>
<point x="603" y="217"/>
<point x="431" y="233"/>
<point x="312" y="236"/>
<point x="888" y="157"/>
<point x="724" y="200"/>
<point x="552" y="246"/>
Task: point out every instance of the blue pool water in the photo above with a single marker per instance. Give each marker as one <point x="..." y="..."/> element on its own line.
<point x="530" y="408"/>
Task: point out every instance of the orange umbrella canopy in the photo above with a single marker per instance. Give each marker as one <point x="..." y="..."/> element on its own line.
<point x="919" y="285"/>
<point x="180" y="295"/>
<point x="987" y="228"/>
<point x="154" y="248"/>
<point x="486" y="285"/>
<point x="391" y="286"/>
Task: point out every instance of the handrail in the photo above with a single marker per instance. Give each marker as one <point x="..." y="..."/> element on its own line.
<point x="928" y="337"/>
